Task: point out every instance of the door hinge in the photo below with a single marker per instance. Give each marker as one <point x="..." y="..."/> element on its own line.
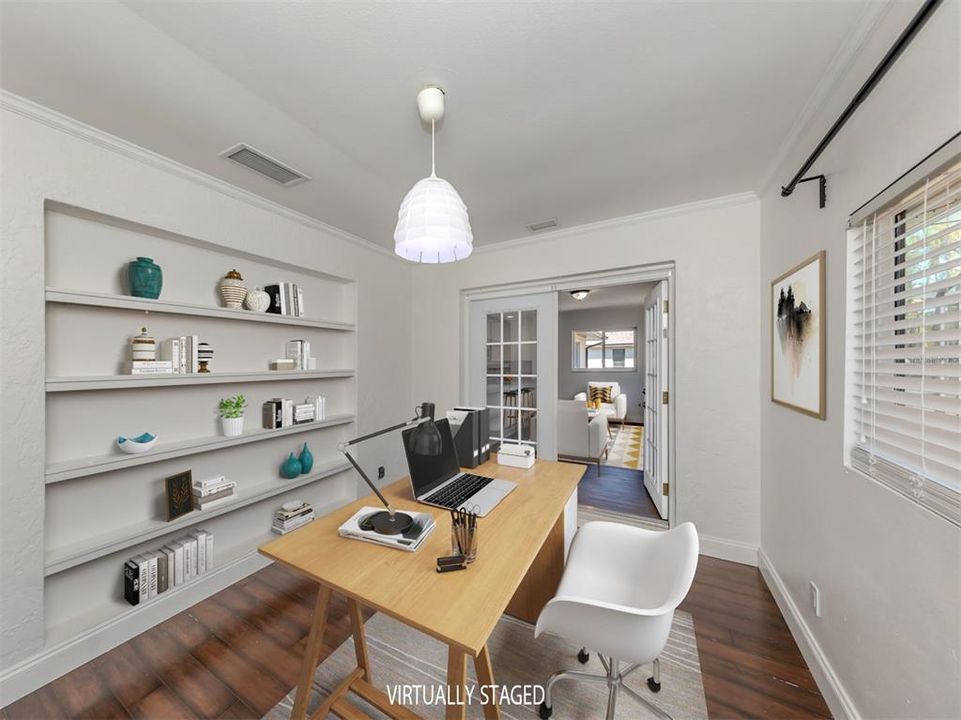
<point x="664" y="397"/>
<point x="667" y="304"/>
<point x="664" y="488"/>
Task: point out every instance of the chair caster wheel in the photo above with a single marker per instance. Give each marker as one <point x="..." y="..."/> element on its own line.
<point x="544" y="711"/>
<point x="654" y="686"/>
<point x="583" y="656"/>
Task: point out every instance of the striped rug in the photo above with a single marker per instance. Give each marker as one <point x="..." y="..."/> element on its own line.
<point x="401" y="656"/>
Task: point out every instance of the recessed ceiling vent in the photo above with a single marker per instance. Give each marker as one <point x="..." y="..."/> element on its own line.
<point x="542" y="225"/>
<point x="262" y="163"/>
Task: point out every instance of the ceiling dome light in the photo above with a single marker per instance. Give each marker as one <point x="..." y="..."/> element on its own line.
<point x="432" y="223"/>
<point x="580" y="294"/>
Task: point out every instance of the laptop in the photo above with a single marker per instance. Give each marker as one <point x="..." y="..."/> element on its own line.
<point x="437" y="479"/>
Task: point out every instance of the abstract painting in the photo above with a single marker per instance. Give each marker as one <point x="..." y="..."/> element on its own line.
<point x="797" y="338"/>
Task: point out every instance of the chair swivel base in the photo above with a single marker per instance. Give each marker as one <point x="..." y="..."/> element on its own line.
<point x="614" y="680"/>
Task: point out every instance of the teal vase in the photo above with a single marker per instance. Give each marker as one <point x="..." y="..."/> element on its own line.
<point x="291" y="467"/>
<point x="306" y="459"/>
<point x="146" y="278"/>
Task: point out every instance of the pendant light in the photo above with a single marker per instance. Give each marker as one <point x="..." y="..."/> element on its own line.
<point x="432" y="223"/>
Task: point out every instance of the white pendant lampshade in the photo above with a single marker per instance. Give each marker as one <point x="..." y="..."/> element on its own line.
<point x="432" y="223"/>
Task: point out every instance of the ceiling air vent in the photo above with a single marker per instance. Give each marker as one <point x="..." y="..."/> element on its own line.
<point x="262" y="163"/>
<point x="542" y="225"/>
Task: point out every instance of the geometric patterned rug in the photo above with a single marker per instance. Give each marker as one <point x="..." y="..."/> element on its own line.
<point x="627" y="448"/>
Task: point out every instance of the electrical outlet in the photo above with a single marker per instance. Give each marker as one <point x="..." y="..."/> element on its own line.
<point x="815" y="599"/>
<point x="381" y="472"/>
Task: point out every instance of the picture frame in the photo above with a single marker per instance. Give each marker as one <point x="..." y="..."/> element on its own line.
<point x="179" y="492"/>
<point x="798" y="333"/>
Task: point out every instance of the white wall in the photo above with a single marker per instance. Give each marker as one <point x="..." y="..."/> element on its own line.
<point x="889" y="572"/>
<point x="571" y="381"/>
<point x="715" y="248"/>
<point x="48" y="157"/>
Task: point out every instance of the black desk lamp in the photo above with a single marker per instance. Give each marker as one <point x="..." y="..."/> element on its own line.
<point x="424" y="440"/>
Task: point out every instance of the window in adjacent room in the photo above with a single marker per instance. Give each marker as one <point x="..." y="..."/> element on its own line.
<point x="904" y="340"/>
<point x="603" y="349"/>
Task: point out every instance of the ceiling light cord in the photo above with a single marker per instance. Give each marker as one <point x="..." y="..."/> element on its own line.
<point x="432" y="173"/>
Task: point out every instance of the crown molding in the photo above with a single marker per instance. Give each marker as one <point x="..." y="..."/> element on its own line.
<point x="838" y="68"/>
<point x="647" y="216"/>
<point x="58" y="121"/>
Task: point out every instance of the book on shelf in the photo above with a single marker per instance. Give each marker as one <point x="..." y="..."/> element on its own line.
<point x="153" y="573"/>
<point x="219" y="498"/>
<point x="206" y="492"/>
<point x="290" y="526"/>
<point x="131" y="582"/>
<point x="212" y="481"/>
<point x="300" y="302"/>
<point x="161" y="571"/>
<point x="201" y="538"/>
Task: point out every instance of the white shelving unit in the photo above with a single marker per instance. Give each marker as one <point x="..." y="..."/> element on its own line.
<point x="94" y="465"/>
<point x="126" y="382"/>
<point x="102" y="508"/>
<point x="124" y="302"/>
<point x="64" y="558"/>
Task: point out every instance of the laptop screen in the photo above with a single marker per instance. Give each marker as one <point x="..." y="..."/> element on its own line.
<point x="429" y="471"/>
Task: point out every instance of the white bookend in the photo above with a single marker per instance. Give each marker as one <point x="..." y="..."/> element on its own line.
<point x="201" y="537"/>
<point x="210" y="550"/>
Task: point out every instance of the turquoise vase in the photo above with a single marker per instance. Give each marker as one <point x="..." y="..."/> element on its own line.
<point x="306" y="459"/>
<point x="291" y="467"/>
<point x="146" y="278"/>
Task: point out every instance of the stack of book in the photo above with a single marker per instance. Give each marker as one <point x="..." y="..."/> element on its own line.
<point x="291" y="516"/>
<point x="151" y="573"/>
<point x="151" y="367"/>
<point x="212" y="491"/>
<point x="299" y="352"/>
<point x="181" y="353"/>
<point x="285" y="299"/>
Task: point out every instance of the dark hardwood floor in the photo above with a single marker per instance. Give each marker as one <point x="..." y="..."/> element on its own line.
<point x="617" y="489"/>
<point x="236" y="654"/>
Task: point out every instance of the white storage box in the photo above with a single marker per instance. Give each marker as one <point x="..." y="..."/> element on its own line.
<point x="514" y="455"/>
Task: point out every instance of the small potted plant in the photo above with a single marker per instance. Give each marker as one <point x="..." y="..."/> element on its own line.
<point x="232" y="415"/>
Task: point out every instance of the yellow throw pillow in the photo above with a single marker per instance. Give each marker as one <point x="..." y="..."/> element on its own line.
<point x="601" y="393"/>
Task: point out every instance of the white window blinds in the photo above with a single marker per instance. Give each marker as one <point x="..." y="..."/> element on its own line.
<point x="904" y="343"/>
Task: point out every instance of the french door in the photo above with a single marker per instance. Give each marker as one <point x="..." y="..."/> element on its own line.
<point x="511" y="368"/>
<point x="656" y="398"/>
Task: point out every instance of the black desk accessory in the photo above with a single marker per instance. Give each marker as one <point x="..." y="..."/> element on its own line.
<point x="424" y="440"/>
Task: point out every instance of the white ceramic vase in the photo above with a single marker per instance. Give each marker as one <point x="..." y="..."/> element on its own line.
<point x="232" y="426"/>
<point x="257" y="300"/>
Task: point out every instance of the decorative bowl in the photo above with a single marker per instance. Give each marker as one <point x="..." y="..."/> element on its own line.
<point x="139" y="444"/>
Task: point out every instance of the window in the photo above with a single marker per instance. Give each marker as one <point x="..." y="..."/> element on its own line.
<point x="603" y="349"/>
<point x="904" y="343"/>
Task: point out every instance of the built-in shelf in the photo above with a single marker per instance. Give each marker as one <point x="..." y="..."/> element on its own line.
<point x="123" y="382"/>
<point x="82" y="467"/>
<point x="78" y="553"/>
<point x="124" y="302"/>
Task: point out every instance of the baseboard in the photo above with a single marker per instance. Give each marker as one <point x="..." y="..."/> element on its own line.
<point x="51" y="663"/>
<point x="839" y="702"/>
<point x="733" y="550"/>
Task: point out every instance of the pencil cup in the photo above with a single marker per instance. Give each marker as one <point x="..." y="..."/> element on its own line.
<point x="463" y="541"/>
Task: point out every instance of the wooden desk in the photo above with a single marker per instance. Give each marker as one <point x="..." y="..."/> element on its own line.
<point x="519" y="563"/>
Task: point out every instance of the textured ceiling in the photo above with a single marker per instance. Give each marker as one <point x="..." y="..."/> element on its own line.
<point x="577" y="111"/>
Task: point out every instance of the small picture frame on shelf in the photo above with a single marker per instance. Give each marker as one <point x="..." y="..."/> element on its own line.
<point x="179" y="495"/>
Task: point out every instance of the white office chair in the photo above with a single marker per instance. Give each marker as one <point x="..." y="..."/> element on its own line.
<point x="617" y="597"/>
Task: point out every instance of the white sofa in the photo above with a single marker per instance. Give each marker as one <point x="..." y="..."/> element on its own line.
<point x="616" y="410"/>
<point x="576" y="437"/>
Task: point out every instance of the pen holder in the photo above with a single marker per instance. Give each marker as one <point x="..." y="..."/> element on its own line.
<point x="463" y="541"/>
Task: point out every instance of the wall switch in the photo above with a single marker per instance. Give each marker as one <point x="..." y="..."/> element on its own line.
<point x="381" y="472"/>
<point x="815" y="599"/>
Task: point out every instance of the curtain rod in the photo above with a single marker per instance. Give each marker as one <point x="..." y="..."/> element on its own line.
<point x="917" y="22"/>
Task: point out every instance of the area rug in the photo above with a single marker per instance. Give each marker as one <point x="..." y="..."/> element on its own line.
<point x="587" y="513"/>
<point x="400" y="656"/>
<point x="627" y="449"/>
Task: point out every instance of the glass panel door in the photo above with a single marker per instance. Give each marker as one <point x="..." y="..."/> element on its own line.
<point x="512" y="375"/>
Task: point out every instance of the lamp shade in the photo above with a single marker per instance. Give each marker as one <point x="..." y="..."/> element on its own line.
<point x="432" y="224"/>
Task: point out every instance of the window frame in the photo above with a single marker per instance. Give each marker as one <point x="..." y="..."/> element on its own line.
<point x="603" y="333"/>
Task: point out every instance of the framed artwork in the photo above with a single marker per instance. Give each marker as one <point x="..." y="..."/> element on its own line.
<point x="179" y="498"/>
<point x="797" y="338"/>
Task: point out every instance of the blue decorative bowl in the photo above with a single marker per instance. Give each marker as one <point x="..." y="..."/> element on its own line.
<point x="139" y="444"/>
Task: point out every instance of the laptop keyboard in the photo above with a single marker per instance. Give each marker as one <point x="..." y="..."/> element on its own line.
<point x="453" y="495"/>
